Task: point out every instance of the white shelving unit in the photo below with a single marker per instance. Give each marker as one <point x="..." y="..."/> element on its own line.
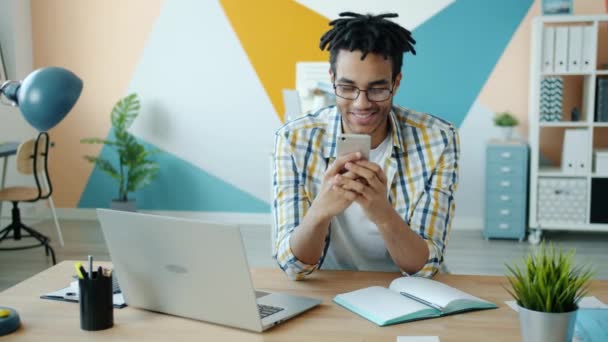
<point x="585" y="100"/>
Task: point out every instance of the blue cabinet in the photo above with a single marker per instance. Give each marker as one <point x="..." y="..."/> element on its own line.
<point x="506" y="194"/>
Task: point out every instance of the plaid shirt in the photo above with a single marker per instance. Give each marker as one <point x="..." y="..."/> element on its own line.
<point x="422" y="171"/>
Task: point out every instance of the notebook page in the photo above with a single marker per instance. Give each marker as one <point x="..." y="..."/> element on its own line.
<point x="431" y="290"/>
<point x="381" y="303"/>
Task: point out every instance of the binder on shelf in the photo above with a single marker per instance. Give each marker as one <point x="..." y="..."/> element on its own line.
<point x="575" y="48"/>
<point x="561" y="49"/>
<point x="588" y="49"/>
<point x="548" y="53"/>
<point x="575" y="152"/>
<point x="601" y="100"/>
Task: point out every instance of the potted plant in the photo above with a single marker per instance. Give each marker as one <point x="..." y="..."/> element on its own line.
<point x="547" y="292"/>
<point x="506" y="121"/>
<point x="135" y="169"/>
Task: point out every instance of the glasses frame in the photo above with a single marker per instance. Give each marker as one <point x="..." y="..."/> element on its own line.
<point x="390" y="90"/>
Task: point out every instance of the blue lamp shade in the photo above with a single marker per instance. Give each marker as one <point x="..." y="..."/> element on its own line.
<point x="45" y="96"/>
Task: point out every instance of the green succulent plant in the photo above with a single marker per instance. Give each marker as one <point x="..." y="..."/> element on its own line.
<point x="505" y="119"/>
<point x="549" y="282"/>
<point x="135" y="167"/>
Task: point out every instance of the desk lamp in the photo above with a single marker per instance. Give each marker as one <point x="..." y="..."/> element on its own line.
<point x="44" y="98"/>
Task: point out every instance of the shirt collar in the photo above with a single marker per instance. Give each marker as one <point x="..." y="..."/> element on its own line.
<point x="334" y="126"/>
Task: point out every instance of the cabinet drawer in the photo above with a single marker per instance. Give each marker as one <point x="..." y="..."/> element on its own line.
<point x="500" y="199"/>
<point x="505" y="228"/>
<point x="506" y="184"/>
<point x="506" y="169"/>
<point x="505" y="212"/>
<point x="507" y="154"/>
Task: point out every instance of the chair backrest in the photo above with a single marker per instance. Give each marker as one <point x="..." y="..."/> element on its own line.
<point x="32" y="159"/>
<point x="25" y="156"/>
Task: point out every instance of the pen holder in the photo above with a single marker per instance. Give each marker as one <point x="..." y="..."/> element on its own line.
<point x="96" y="310"/>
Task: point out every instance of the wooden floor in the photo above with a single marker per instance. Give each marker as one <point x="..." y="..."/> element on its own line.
<point x="467" y="252"/>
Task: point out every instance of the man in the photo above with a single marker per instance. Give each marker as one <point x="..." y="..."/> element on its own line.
<point x="391" y="212"/>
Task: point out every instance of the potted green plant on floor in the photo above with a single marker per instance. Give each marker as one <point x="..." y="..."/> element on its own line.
<point x="135" y="167"/>
<point x="506" y="121"/>
<point x="547" y="292"/>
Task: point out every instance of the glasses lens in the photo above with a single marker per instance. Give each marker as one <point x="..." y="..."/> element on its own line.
<point x="347" y="92"/>
<point x="378" y="94"/>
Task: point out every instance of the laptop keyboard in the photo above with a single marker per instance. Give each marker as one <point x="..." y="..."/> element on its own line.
<point x="267" y="310"/>
<point x="115" y="286"/>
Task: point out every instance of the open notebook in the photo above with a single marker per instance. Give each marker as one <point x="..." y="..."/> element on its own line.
<point x="409" y="299"/>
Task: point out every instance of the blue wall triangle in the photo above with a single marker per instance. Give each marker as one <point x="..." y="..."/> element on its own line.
<point x="457" y="50"/>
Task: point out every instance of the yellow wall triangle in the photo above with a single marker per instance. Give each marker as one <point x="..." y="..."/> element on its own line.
<point x="276" y="34"/>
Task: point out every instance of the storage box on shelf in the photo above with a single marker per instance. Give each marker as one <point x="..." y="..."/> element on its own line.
<point x="601" y="162"/>
<point x="568" y="107"/>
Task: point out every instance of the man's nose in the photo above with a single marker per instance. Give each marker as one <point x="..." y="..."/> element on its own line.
<point x="361" y="101"/>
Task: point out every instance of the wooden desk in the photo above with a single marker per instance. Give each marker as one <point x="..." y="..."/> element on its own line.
<point x="59" y="321"/>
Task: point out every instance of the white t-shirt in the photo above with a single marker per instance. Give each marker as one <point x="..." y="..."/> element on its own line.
<point x="355" y="242"/>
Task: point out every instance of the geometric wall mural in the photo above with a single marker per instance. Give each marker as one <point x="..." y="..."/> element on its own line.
<point x="457" y="49"/>
<point x="211" y="72"/>
<point x="275" y="35"/>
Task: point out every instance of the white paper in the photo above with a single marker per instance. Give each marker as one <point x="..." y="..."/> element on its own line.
<point x="293" y="105"/>
<point x="71" y="292"/>
<point x="382" y="303"/>
<point x="589" y="302"/>
<point x="308" y="74"/>
<point x="430" y="290"/>
<point x="417" y="338"/>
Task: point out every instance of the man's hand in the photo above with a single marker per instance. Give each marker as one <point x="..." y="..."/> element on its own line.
<point x="332" y="198"/>
<point x="368" y="181"/>
<point x="308" y="240"/>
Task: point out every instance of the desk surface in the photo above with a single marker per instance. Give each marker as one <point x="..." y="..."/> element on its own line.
<point x="8" y="148"/>
<point x="59" y="321"/>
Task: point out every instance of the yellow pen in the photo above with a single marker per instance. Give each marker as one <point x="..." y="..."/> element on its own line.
<point x="79" y="268"/>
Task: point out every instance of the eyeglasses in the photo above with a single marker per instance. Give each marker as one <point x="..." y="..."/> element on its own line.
<point x="349" y="92"/>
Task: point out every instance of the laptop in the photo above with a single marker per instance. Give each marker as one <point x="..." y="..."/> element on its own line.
<point x="192" y="269"/>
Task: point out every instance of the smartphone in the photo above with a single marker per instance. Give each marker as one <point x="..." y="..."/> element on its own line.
<point x="351" y="143"/>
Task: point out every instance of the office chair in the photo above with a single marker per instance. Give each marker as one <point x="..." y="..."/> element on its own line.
<point x="32" y="157"/>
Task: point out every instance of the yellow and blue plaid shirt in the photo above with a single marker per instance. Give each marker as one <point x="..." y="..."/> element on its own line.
<point x="422" y="171"/>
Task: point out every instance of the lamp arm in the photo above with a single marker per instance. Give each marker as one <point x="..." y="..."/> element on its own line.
<point x="9" y="89"/>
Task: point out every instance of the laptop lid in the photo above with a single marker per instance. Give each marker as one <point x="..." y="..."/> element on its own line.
<point x="182" y="267"/>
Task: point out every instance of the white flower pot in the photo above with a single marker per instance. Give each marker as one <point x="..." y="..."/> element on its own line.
<point x="539" y="326"/>
<point x="129" y="205"/>
<point x="507" y="132"/>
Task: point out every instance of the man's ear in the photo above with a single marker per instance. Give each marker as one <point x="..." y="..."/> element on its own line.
<point x="332" y="77"/>
<point x="397" y="82"/>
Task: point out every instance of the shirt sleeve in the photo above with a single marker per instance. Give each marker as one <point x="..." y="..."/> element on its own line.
<point x="433" y="214"/>
<point x="289" y="206"/>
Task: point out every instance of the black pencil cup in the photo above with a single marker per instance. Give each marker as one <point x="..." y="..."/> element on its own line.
<point x="96" y="310"/>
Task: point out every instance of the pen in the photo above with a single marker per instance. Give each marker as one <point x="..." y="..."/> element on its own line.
<point x="107" y="272"/>
<point x="99" y="272"/>
<point x="90" y="265"/>
<point x="79" y="270"/>
<point x="83" y="272"/>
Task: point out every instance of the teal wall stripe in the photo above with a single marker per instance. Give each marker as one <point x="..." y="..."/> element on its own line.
<point x="179" y="186"/>
<point x="457" y="50"/>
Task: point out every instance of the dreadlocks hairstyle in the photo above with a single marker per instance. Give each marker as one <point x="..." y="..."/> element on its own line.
<point x="368" y="33"/>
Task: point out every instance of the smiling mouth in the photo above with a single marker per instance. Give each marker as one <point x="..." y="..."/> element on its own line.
<point x="363" y="115"/>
